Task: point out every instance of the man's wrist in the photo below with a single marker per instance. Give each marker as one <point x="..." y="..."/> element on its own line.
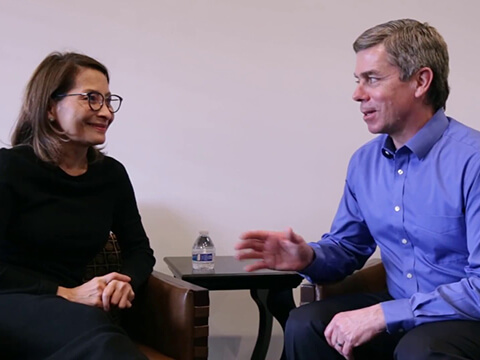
<point x="311" y="257"/>
<point x="308" y="257"/>
<point x="380" y="324"/>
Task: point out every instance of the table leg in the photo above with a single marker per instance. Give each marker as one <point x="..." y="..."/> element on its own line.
<point x="280" y="302"/>
<point x="260" y="350"/>
<point x="276" y="302"/>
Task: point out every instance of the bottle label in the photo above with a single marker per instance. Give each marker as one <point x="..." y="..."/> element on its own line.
<point x="202" y="257"/>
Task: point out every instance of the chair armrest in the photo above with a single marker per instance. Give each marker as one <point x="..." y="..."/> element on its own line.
<point x="371" y="278"/>
<point x="308" y="292"/>
<point x="171" y="316"/>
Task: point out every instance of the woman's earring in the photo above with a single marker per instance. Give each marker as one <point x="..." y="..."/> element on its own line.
<point x="51" y="119"/>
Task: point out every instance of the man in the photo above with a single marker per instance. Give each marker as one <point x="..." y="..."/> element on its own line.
<point x="415" y="192"/>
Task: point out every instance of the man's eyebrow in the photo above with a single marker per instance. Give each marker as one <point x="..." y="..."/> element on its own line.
<point x="366" y="74"/>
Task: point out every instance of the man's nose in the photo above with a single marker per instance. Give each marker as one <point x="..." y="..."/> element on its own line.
<point x="359" y="93"/>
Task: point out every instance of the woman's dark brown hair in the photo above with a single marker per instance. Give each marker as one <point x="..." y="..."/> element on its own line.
<point x="55" y="75"/>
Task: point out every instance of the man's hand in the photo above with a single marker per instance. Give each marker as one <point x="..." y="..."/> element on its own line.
<point x="102" y="291"/>
<point x="276" y="250"/>
<point x="350" y="329"/>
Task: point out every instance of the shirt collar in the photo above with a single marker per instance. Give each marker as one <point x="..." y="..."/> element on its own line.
<point x="388" y="149"/>
<point x="421" y="143"/>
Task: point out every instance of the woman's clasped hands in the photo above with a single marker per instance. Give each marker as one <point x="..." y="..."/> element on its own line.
<point x="111" y="290"/>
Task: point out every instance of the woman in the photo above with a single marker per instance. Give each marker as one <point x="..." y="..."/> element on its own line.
<point x="59" y="198"/>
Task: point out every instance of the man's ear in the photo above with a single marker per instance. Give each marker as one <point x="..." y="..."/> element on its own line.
<point x="423" y="78"/>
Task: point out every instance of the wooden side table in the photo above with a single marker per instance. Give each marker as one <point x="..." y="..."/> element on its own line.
<point x="271" y="290"/>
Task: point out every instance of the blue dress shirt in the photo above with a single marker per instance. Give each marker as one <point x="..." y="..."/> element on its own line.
<point x="421" y="205"/>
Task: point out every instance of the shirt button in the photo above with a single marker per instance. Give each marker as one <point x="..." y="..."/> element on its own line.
<point x="400" y="171"/>
<point x="409" y="275"/>
<point x="404" y="241"/>
<point x="397" y="208"/>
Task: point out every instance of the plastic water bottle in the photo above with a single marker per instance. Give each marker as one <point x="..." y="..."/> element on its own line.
<point x="203" y="252"/>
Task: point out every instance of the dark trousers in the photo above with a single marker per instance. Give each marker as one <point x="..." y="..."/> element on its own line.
<point x="50" y="327"/>
<point x="439" y="340"/>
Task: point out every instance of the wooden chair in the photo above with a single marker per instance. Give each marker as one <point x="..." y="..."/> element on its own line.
<point x="169" y="319"/>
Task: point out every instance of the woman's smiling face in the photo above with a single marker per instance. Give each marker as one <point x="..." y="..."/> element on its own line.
<point x="73" y="115"/>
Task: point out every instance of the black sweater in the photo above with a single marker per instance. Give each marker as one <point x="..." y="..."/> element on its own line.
<point x="52" y="224"/>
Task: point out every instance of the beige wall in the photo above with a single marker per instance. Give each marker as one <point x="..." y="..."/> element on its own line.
<point x="237" y="114"/>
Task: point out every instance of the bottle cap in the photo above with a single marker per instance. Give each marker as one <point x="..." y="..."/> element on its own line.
<point x="204" y="232"/>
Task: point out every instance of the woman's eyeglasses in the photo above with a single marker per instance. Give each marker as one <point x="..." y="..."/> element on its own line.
<point x="96" y="100"/>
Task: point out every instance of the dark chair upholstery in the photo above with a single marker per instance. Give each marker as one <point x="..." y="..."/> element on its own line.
<point x="371" y="278"/>
<point x="169" y="319"/>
